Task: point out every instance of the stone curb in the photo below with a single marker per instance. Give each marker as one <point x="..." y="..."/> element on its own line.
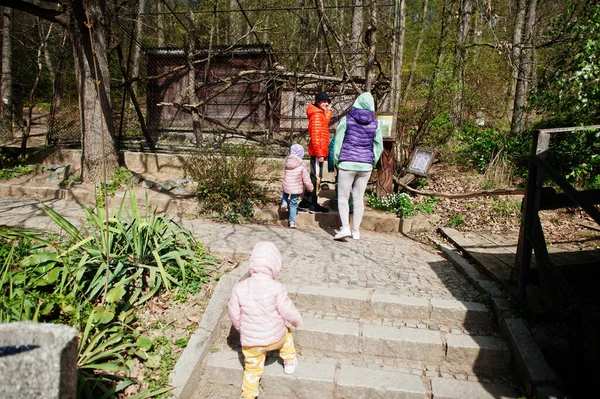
<point x="358" y="302"/>
<point x="189" y="365"/>
<point x="532" y="369"/>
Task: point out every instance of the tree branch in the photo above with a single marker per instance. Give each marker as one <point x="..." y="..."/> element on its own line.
<point x="44" y="13"/>
<point x="481" y="193"/>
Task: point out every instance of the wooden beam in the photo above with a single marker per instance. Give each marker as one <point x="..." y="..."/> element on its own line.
<point x="550" y="201"/>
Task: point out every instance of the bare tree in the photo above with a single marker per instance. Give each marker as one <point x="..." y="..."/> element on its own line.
<point x="160" y="22"/>
<point x="515" y="56"/>
<point x="397" y="51"/>
<point x="90" y="41"/>
<point x="135" y="58"/>
<point x="7" y="98"/>
<point x="356" y="63"/>
<point x="525" y="62"/>
<point x="413" y="68"/>
<point x="371" y="42"/>
<point x="462" y="36"/>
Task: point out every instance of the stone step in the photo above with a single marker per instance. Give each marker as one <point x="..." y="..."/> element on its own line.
<point x="483" y="354"/>
<point x="360" y="303"/>
<point x="329" y="380"/>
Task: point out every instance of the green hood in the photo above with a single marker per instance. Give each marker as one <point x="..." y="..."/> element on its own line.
<point x="365" y="101"/>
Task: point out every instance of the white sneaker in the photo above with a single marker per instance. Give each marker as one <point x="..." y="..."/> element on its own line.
<point x="292" y="225"/>
<point x="355" y="235"/>
<point x="289" y="368"/>
<point x="343" y="233"/>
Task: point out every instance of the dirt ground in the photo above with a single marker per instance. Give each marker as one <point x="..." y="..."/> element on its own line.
<point x="501" y="215"/>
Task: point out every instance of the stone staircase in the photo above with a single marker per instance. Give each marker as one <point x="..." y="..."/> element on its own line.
<point x="361" y="344"/>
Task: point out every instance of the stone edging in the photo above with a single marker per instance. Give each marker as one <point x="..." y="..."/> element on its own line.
<point x="189" y="365"/>
<point x="532" y="370"/>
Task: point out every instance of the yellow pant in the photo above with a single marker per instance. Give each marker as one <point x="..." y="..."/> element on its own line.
<point x="254" y="362"/>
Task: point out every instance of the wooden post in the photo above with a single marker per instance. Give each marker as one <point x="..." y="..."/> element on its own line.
<point x="529" y="210"/>
<point x="385" y="169"/>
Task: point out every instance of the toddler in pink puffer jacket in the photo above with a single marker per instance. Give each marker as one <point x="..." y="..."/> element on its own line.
<point x="260" y="309"/>
<point x="295" y="178"/>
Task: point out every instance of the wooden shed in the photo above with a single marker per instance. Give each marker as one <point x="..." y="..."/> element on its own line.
<point x="243" y="102"/>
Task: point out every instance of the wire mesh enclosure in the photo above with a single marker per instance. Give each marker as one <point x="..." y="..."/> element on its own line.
<point x="198" y="74"/>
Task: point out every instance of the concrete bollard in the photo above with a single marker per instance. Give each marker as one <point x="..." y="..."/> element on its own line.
<point x="38" y="361"/>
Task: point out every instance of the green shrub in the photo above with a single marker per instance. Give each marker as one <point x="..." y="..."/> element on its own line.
<point x="399" y="203"/>
<point x="227" y="182"/>
<point x="12" y="168"/>
<point x="95" y="280"/>
<point x="427" y="205"/>
<point x="456" y="220"/>
<point x="506" y="208"/>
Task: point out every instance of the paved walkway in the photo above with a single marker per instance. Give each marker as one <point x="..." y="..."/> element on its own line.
<point x="385" y="262"/>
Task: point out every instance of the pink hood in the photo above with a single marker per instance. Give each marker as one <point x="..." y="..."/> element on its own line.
<point x="259" y="306"/>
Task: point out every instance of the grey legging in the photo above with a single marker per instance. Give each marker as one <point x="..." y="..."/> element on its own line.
<point x="357" y="182"/>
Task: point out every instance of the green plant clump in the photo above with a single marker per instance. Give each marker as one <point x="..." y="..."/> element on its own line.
<point x="427" y="205"/>
<point x="399" y="203"/>
<point x="456" y="220"/>
<point x="95" y="280"/>
<point x="227" y="182"/>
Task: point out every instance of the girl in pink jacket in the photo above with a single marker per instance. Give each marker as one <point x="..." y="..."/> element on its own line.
<point x="259" y="308"/>
<point x="295" y="178"/>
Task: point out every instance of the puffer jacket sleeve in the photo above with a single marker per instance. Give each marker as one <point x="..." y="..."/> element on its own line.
<point x="286" y="308"/>
<point x="234" y="310"/>
<point x="306" y="179"/>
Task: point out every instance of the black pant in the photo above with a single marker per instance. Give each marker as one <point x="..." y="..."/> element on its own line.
<point x="312" y="196"/>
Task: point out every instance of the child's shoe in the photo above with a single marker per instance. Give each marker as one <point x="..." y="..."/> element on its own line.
<point x="343" y="233"/>
<point x="355" y="235"/>
<point x="290" y="367"/>
<point x="292" y="225"/>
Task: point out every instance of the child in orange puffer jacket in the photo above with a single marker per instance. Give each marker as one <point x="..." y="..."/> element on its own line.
<point x="319" y="115"/>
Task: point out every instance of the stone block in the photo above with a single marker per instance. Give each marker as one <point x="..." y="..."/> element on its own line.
<point x="38" y="361"/>
<point x="403" y="308"/>
<point x="444" y="388"/>
<point x="363" y="383"/>
<point x="471" y="315"/>
<point x="339" y="300"/>
<point x="527" y="356"/>
<point x="403" y="343"/>
<point x="189" y="361"/>
<point x="311" y="380"/>
<point x="328" y="335"/>
<point x="483" y="354"/>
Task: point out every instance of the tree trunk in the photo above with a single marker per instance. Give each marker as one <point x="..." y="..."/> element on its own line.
<point x="135" y="62"/>
<point x="357" y="66"/>
<point x="160" y="40"/>
<point x="40" y="55"/>
<point x="90" y="49"/>
<point x="371" y="41"/>
<point x="235" y="23"/>
<point x="462" y="35"/>
<point x="397" y="51"/>
<point x="441" y="50"/>
<point x="524" y="66"/>
<point x="413" y="67"/>
<point x="7" y="98"/>
<point x="516" y="55"/>
<point x="192" y="98"/>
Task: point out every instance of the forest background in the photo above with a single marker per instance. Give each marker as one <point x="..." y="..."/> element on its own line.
<point x="472" y="78"/>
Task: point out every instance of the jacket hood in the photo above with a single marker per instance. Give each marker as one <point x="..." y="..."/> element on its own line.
<point x="265" y="259"/>
<point x="297" y="150"/>
<point x="292" y="162"/>
<point x="365" y="101"/>
<point x="362" y="116"/>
